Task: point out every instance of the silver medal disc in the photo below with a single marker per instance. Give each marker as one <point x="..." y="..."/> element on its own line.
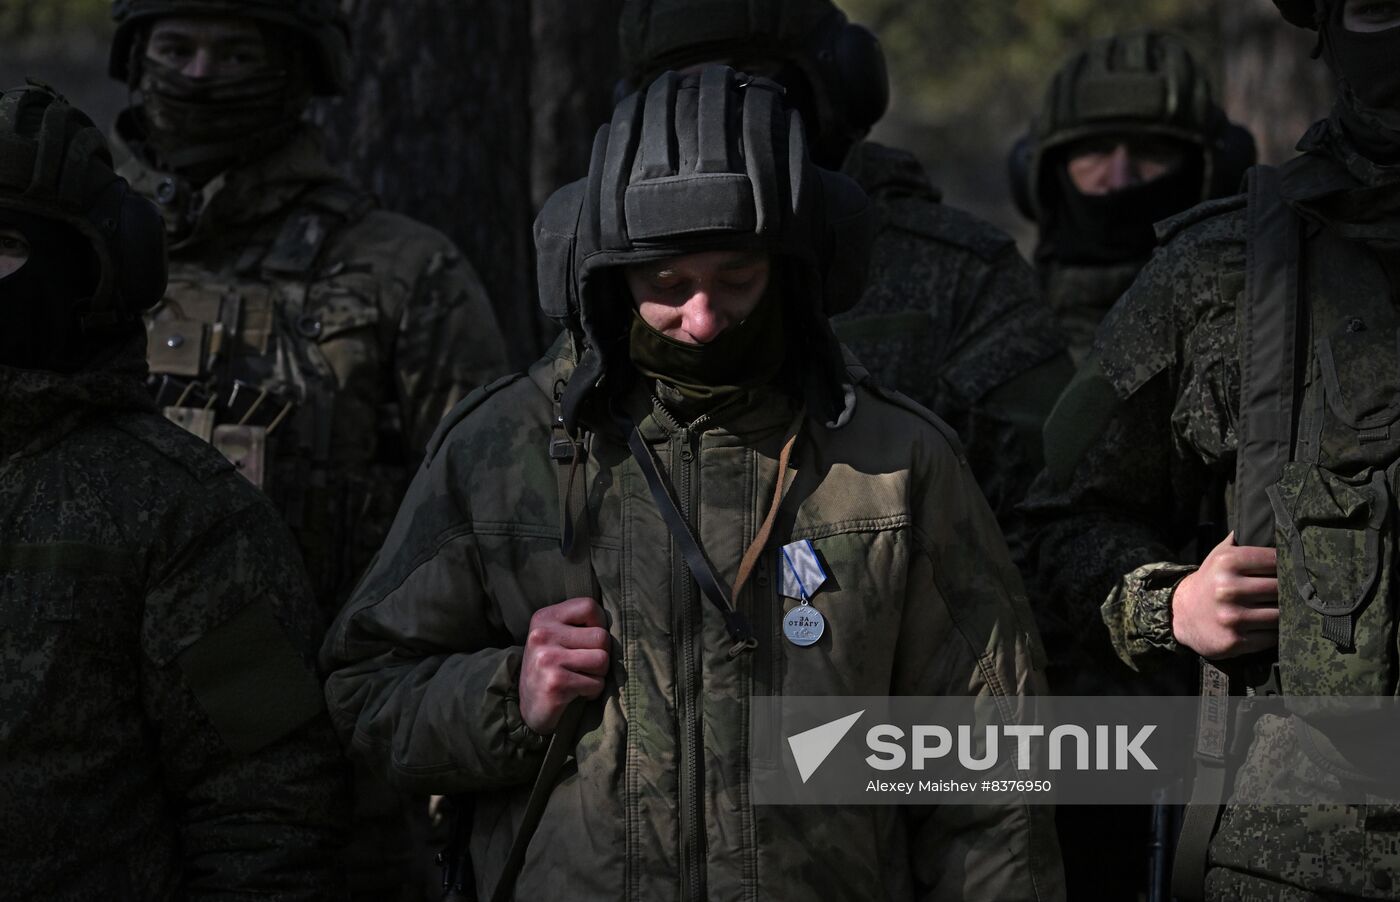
<point x="804" y="625"/>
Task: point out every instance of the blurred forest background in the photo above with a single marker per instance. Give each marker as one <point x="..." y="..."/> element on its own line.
<point x="468" y="113"/>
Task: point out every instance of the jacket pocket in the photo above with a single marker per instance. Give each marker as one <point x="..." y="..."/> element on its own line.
<point x="1336" y="625"/>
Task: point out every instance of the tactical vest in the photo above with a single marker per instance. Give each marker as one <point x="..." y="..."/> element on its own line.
<point x="1319" y="447"/>
<point x="1318" y="452"/>
<point x="272" y="355"/>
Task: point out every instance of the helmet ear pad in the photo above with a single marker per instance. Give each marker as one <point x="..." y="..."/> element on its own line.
<point x="849" y="241"/>
<point x="1233" y="151"/>
<point x="1018" y="175"/>
<point x="133" y="233"/>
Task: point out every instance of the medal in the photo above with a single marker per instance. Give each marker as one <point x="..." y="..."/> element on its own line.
<point x="804" y="625"/>
<point x="802" y="573"/>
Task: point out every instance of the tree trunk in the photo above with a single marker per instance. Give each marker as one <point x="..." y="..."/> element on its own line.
<point x="467" y="115"/>
<point x="436" y="122"/>
<point x="575" y="68"/>
<point x="1271" y="85"/>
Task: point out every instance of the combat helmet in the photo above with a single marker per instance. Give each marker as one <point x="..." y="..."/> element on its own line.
<point x="320" y="22"/>
<point x="1143" y="82"/>
<point x="55" y="164"/>
<point x="841" y="63"/>
<point x="694" y="163"/>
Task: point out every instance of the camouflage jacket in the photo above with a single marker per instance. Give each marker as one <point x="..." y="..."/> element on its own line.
<point x="1148" y="428"/>
<point x="952" y="317"/>
<point x="426" y="656"/>
<point x="1081" y="296"/>
<point x="161" y="731"/>
<point x="312" y="338"/>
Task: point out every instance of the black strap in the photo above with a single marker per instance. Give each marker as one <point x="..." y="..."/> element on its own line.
<point x="710" y="583"/>
<point x="568" y="453"/>
<point x="1268" y="324"/>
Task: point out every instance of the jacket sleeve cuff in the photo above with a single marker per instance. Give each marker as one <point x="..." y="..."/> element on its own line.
<point x="518" y="733"/>
<point x="1138" y="614"/>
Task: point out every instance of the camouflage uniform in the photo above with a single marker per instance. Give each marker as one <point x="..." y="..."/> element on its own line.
<point x="146" y="752"/>
<point x="312" y="338"/>
<point x="426" y="657"/>
<point x="363" y="325"/>
<point x="951" y="315"/>
<point x="162" y="734"/>
<point x="1147" y="427"/>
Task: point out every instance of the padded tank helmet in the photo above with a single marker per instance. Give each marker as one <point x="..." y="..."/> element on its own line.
<point x="841" y="63"/>
<point x="321" y="23"/>
<point x="55" y="164"/>
<point x="696" y="163"/>
<point x="1144" y="82"/>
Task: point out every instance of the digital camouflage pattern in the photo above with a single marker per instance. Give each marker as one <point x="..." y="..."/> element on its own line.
<point x="362" y="325"/>
<point x="951" y="317"/>
<point x="425" y="659"/>
<point x="1148" y="428"/>
<point x="161" y="731"/>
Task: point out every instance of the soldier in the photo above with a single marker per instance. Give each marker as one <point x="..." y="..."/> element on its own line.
<point x="1129" y="135"/>
<point x="1258" y="349"/>
<point x="695" y="268"/>
<point x="312" y="338"/>
<point x="950" y="315"/>
<point x="162" y="730"/>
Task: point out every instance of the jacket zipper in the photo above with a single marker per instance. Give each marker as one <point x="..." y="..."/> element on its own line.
<point x="692" y="748"/>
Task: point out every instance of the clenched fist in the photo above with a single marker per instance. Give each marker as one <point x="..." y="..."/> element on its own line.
<point x="566" y="657"/>
<point x="1229" y="606"/>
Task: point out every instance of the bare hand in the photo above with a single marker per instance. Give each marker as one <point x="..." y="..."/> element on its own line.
<point x="566" y="657"/>
<point x="1229" y="606"/>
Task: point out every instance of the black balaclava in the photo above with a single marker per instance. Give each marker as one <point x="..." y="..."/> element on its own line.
<point x="1115" y="227"/>
<point x="201" y="126"/>
<point x="1367" y="66"/>
<point x="743" y="356"/>
<point x="39" y="302"/>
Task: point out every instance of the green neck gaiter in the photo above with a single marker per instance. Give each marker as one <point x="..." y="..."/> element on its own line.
<point x="743" y="356"/>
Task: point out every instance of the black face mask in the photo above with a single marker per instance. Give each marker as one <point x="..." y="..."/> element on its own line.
<point x="1367" y="66"/>
<point x="39" y="302"/>
<point x="199" y="124"/>
<point x="745" y="355"/>
<point x="1116" y="227"/>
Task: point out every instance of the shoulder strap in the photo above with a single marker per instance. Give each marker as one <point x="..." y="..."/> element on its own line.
<point x="568" y="453"/>
<point x="1268" y="326"/>
<point x="319" y="213"/>
<point x="1268" y="323"/>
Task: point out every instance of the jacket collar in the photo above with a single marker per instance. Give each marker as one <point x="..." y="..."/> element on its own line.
<point x="38" y="408"/>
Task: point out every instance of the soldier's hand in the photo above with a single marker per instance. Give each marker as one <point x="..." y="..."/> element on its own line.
<point x="1229" y="606"/>
<point x="566" y="657"/>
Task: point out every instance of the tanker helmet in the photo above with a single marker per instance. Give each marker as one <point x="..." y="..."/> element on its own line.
<point x="55" y="165"/>
<point x="694" y="163"/>
<point x="838" y="63"/>
<point x="1145" y="82"/>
